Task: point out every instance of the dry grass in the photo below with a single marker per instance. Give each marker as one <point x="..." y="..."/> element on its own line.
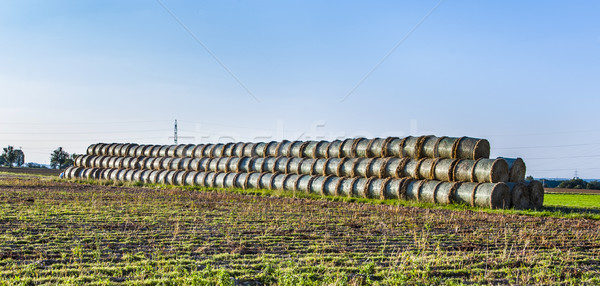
<point x="67" y="233"/>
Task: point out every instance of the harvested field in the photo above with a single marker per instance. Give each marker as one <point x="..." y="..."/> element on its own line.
<point x="66" y="233"/>
<point x="32" y="171"/>
<point x="571" y="191"/>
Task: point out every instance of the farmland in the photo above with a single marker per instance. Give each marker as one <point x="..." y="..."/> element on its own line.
<point x="60" y="232"/>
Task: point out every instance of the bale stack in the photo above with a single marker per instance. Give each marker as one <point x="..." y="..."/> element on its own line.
<point x="441" y="170"/>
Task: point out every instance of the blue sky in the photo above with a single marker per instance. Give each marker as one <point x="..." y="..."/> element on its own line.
<point x="522" y="74"/>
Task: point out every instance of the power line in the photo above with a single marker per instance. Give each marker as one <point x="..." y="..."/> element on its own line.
<point x="547" y="146"/>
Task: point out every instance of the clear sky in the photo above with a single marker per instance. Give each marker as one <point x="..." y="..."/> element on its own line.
<point x="523" y="74"/>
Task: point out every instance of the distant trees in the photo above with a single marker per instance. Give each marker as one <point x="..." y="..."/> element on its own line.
<point x="577" y="183"/>
<point x="12" y="157"/>
<point x="60" y="159"/>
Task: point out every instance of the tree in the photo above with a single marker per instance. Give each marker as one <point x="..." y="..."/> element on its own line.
<point x="19" y="157"/>
<point x="9" y="155"/>
<point x="60" y="159"/>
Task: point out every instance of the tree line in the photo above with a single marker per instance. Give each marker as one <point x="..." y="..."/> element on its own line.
<point x="59" y="158"/>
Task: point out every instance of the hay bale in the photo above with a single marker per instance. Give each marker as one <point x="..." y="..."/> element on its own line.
<point x="482" y="170"/>
<point x="519" y="196"/>
<point x="536" y="194"/>
<point x="517" y="169"/>
<point x="489" y="195"/>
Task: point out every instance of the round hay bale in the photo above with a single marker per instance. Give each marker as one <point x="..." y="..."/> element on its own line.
<point x="90" y="149"/>
<point x="162" y="151"/>
<point x="166" y="163"/>
<point x="184" y="164"/>
<point x="174" y="164"/>
<point x="130" y="151"/>
<point x="252" y="181"/>
<point x="229" y="180"/>
<point x="180" y="178"/>
<point x="411" y="148"/>
<point x="77" y="161"/>
<point x="161" y="178"/>
<point x="489" y="195"/>
<point x="482" y="170"/>
<point x="494" y="196"/>
<point x="217" y="151"/>
<point x="392" y="191"/>
<point x="104" y="162"/>
<point x="200" y="179"/>
<point x="126" y="162"/>
<point x="463" y="148"/>
<point x="104" y="174"/>
<point x="333" y="149"/>
<point x="249" y="150"/>
<point x="519" y="196"/>
<point x="411" y="169"/>
<point x="491" y="171"/>
<point x="517" y="169"/>
<point x="443" y="170"/>
<point x="203" y="164"/>
<point x="473" y="148"/>
<point x="112" y="174"/>
<point x="302" y="185"/>
<point x="111" y="162"/>
<point x="171" y="177"/>
<point x="345" y="150"/>
<point x="129" y="175"/>
<point x="413" y="190"/>
<point x="110" y="151"/>
<point x="310" y="150"/>
<point x="152" y="151"/>
<point x="429" y="191"/>
<point x="137" y="175"/>
<point x="121" y="175"/>
<point x="152" y="177"/>
<point x="182" y="150"/>
<point x="195" y="164"/>
<point x="227" y="149"/>
<point x="536" y="194"/>
<point x="171" y="151"/>
<point x="190" y="178"/>
<point x="139" y="151"/>
<point x="101" y="149"/>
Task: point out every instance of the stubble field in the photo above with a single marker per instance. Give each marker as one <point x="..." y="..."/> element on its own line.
<point x="61" y="232"/>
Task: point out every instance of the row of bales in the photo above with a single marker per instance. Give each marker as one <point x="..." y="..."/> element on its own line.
<point x="442" y="170"/>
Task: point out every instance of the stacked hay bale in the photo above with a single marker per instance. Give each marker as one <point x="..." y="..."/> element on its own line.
<point x="432" y="169"/>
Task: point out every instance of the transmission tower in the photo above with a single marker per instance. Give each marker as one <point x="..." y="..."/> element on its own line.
<point x="175" y="132"/>
<point x="176" y="137"/>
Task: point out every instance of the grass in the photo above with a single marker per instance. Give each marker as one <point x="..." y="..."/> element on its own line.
<point x="59" y="232"/>
<point x="573" y="200"/>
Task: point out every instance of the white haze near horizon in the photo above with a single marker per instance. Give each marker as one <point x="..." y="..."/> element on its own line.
<point x="522" y="75"/>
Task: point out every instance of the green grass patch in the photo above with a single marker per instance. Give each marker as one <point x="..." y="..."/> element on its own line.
<point x="572" y="200"/>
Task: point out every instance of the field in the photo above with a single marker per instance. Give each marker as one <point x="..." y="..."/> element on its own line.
<point x="60" y="232"/>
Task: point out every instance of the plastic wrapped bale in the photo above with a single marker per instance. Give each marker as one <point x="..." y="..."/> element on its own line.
<point x="517" y="169"/>
<point x="490" y="195"/>
<point x="519" y="196"/>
